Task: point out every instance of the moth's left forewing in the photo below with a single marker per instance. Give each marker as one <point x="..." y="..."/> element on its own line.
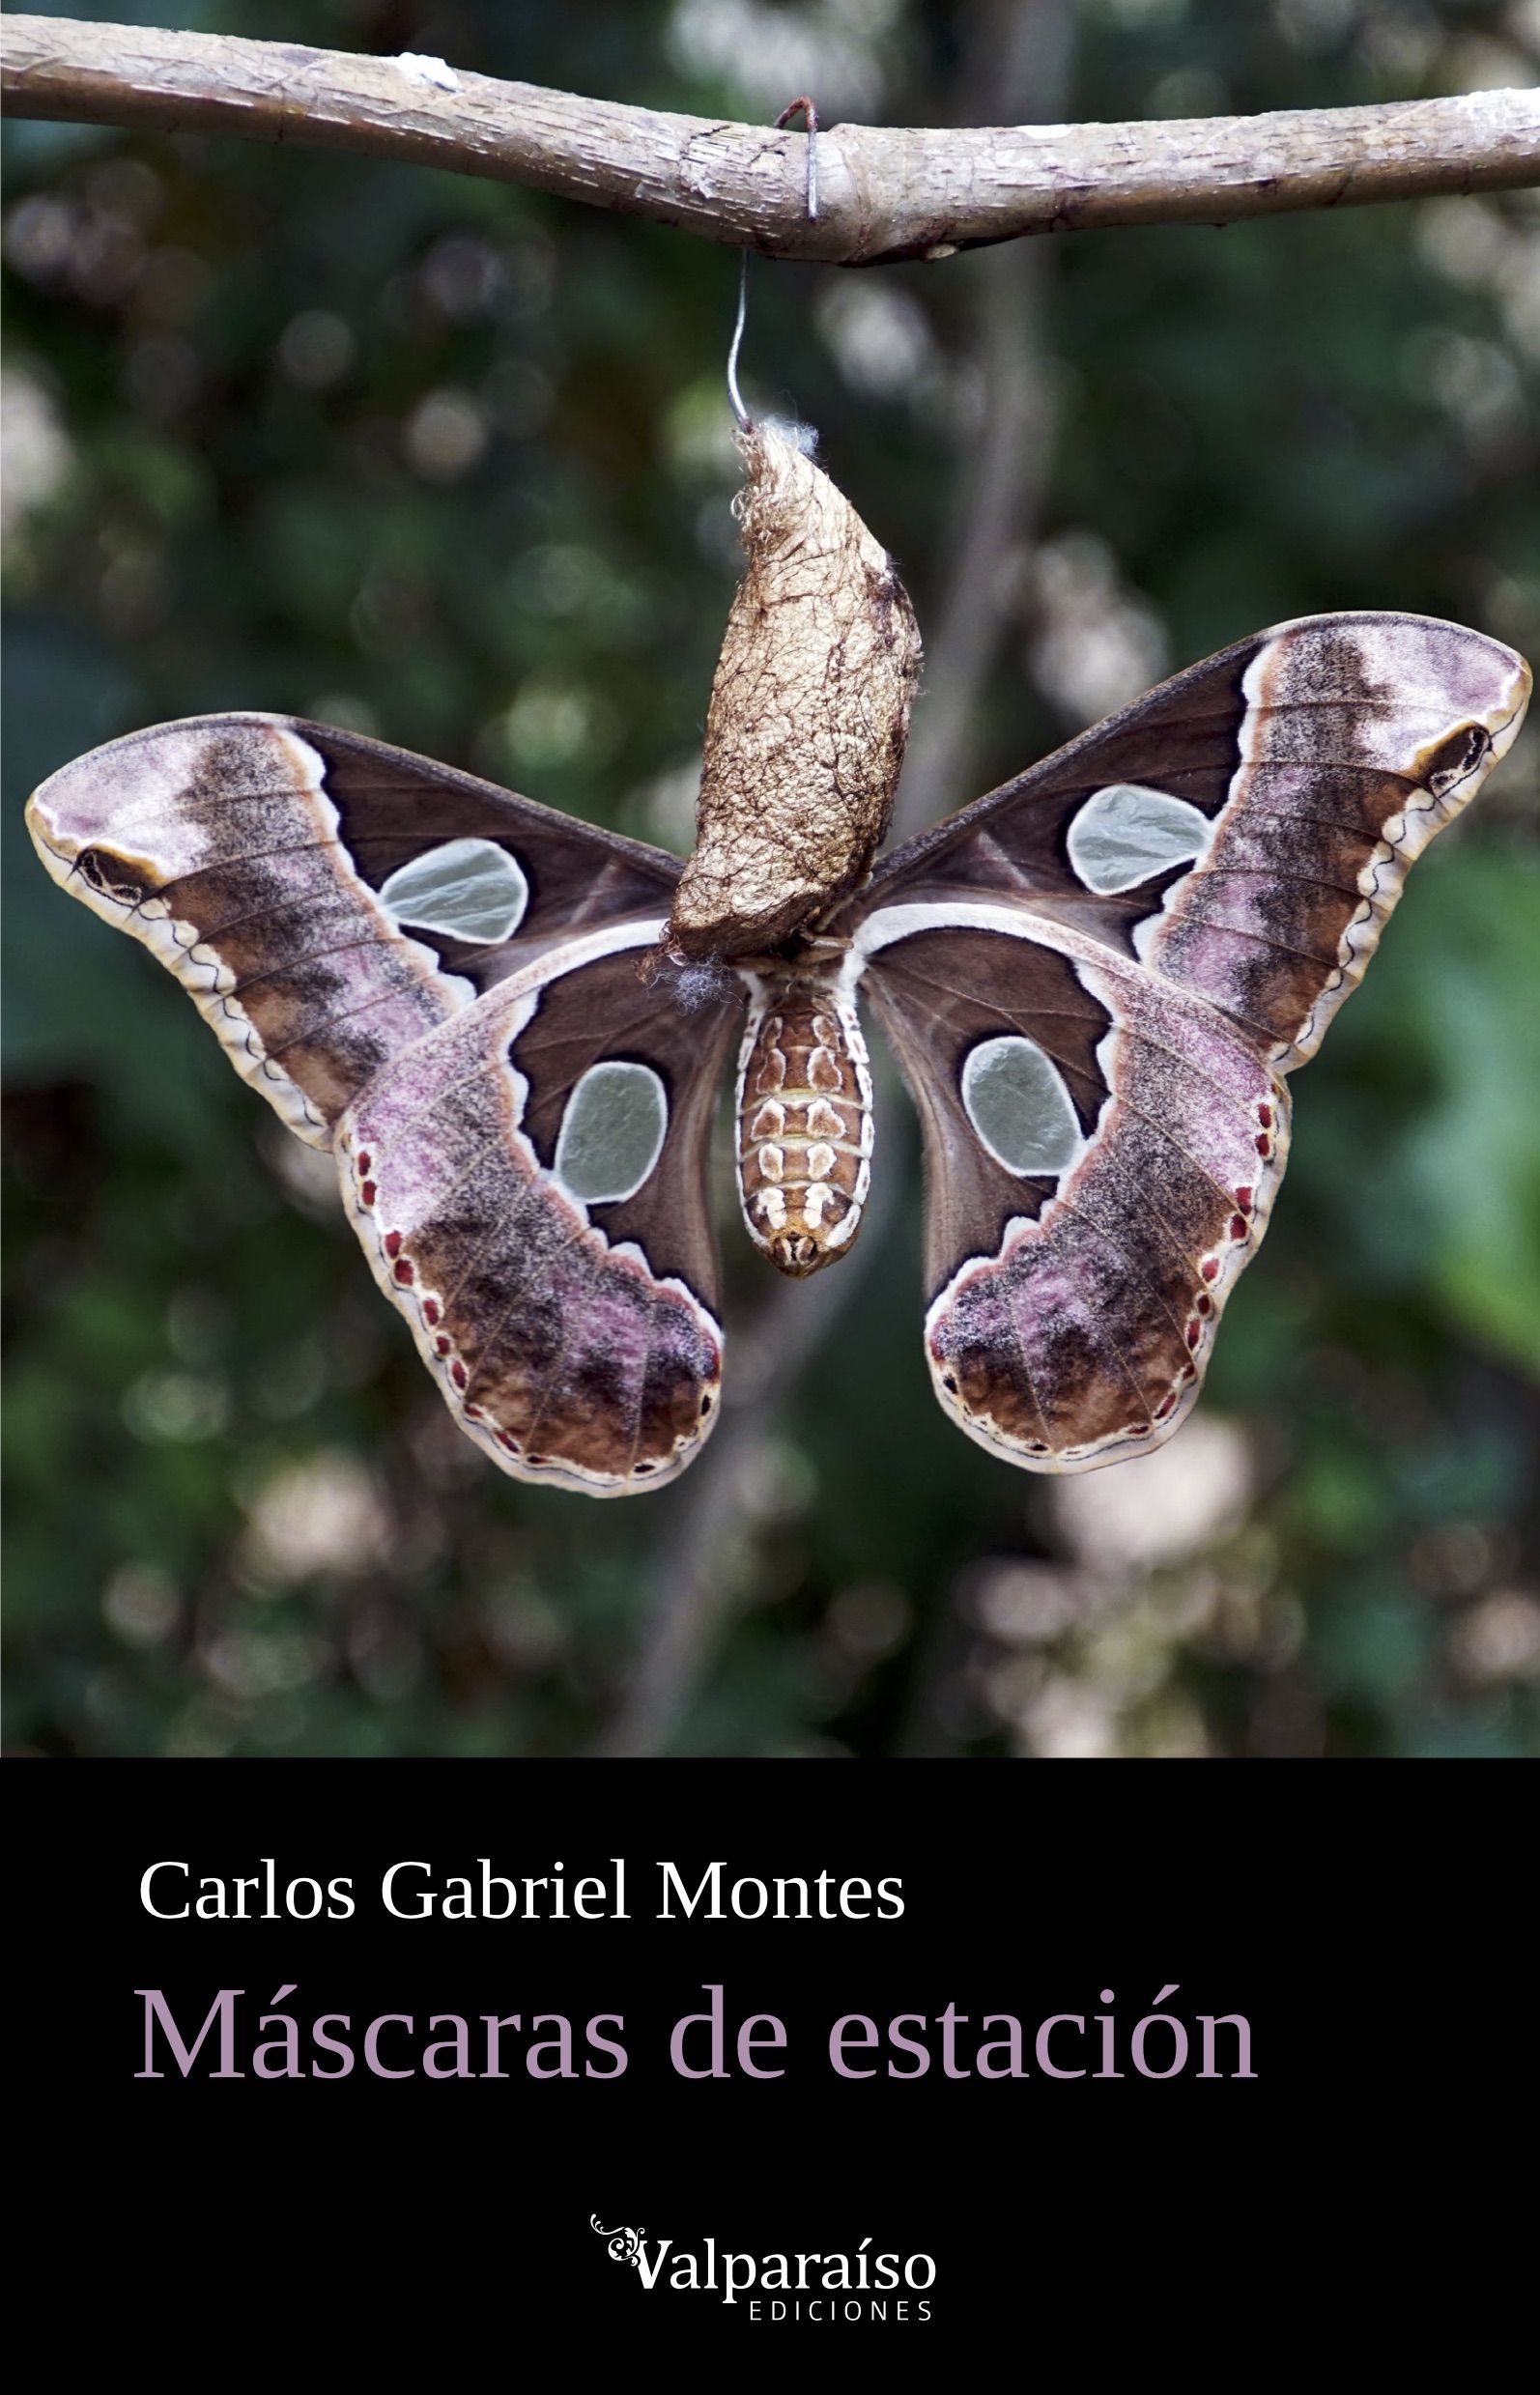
<point x="325" y="900"/>
<point x="530" y="1186"/>
<point x="214" y="842"/>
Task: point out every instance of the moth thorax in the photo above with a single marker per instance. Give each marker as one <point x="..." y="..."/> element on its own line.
<point x="804" y="1125"/>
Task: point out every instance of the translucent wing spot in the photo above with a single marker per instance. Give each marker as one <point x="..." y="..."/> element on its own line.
<point x="1126" y="834"/>
<point x="611" y="1134"/>
<point x="469" y="889"/>
<point x="1017" y="1103"/>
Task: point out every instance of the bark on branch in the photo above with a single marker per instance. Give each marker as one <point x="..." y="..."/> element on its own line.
<point x="884" y="193"/>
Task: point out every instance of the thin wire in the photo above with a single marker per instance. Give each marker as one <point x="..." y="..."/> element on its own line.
<point x="803" y="107"/>
<point x="733" y="392"/>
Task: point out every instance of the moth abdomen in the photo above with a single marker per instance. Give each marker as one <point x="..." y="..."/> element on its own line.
<point x="804" y="1125"/>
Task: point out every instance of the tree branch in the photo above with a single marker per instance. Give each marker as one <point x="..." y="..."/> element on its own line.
<point x="885" y="192"/>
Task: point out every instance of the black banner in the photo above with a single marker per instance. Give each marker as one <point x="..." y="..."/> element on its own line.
<point x="703" y="2054"/>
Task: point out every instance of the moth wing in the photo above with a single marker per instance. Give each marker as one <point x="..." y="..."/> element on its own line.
<point x="1095" y="978"/>
<point x="439" y="979"/>
<point x="1245" y="830"/>
<point x="1103" y="1149"/>
<point x="325" y="899"/>
<point x="529" y="1182"/>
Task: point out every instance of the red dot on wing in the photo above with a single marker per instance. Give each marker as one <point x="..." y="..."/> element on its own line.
<point x="392" y="1243"/>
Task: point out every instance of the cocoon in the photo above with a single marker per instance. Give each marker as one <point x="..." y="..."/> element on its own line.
<point x="809" y="714"/>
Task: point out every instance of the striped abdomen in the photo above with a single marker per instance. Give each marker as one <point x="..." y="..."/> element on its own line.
<point x="804" y="1125"/>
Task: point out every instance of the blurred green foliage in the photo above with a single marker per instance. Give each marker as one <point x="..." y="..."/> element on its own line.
<point x="450" y="462"/>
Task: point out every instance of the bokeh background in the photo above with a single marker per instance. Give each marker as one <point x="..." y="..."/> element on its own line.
<point x="451" y="462"/>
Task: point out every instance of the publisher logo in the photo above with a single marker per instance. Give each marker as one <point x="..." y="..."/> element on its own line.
<point x="859" y="2285"/>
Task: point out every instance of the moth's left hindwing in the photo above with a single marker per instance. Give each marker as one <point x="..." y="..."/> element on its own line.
<point x="439" y="979"/>
<point x="1096" y="977"/>
<point x="528" y="1183"/>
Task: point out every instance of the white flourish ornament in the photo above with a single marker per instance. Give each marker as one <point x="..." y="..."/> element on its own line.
<point x="624" y="2244"/>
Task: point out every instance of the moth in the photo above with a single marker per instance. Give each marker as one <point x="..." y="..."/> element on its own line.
<point x="1096" y="982"/>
